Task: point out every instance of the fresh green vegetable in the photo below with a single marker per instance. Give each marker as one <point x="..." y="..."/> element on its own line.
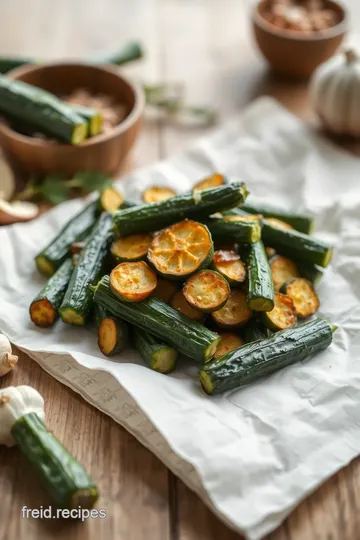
<point x="7" y="63"/>
<point x="127" y="53"/>
<point x="241" y="232"/>
<point x="93" y="118"/>
<point x="197" y="206"/>
<point x="157" y="355"/>
<point x="44" y="308"/>
<point x="185" y="335"/>
<point x="42" y="109"/>
<point x="65" y="479"/>
<point x="55" y="253"/>
<point x="302" y="222"/>
<point x="113" y="333"/>
<point x="255" y="360"/>
<point x="77" y="302"/>
<point x="260" y="284"/>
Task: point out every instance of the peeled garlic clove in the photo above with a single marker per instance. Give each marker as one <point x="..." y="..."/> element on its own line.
<point x="7" y="180"/>
<point x="7" y="359"/>
<point x="17" y="211"/>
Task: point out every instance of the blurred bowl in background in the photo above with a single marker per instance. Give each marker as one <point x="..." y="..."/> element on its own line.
<point x="298" y="54"/>
<point x="105" y="152"/>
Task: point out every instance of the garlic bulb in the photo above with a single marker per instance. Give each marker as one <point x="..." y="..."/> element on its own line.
<point x="17" y="211"/>
<point x="15" y="402"/>
<point x="335" y="93"/>
<point x="7" y="359"/>
<point x="7" y="180"/>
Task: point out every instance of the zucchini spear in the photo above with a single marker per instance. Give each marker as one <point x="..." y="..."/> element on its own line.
<point x="157" y="355"/>
<point x="22" y="422"/>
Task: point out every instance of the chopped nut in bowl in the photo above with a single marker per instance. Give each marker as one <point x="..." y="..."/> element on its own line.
<point x="295" y="36"/>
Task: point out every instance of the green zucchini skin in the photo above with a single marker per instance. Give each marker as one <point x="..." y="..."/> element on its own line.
<point x="127" y="53"/>
<point x="65" y="479"/>
<point x="255" y="360"/>
<point x="309" y="271"/>
<point x="55" y="253"/>
<point x="255" y="330"/>
<point x="122" y="329"/>
<point x="77" y="302"/>
<point x="241" y="232"/>
<point x="155" y="216"/>
<point x="157" y="355"/>
<point x="186" y="335"/>
<point x="55" y="289"/>
<point x="42" y="109"/>
<point x="301" y="222"/>
<point x="92" y="117"/>
<point x="296" y="245"/>
<point x="260" y="283"/>
<point x="7" y="63"/>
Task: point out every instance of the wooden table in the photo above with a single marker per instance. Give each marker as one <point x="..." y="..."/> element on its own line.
<point x="207" y="45"/>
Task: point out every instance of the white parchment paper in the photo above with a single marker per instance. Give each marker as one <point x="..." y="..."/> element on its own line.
<point x="251" y="454"/>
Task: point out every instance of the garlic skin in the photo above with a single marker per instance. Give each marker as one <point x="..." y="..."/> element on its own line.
<point x="15" y="402"/>
<point x="17" y="211"/>
<point x="335" y="93"/>
<point x="7" y="359"/>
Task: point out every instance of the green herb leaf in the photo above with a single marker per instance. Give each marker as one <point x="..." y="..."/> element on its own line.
<point x="54" y="188"/>
<point x="89" y="181"/>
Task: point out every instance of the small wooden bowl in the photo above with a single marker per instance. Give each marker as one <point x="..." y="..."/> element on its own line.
<point x="292" y="53"/>
<point x="105" y="152"/>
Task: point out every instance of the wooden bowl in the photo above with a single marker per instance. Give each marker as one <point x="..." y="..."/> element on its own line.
<point x="105" y="152"/>
<point x="292" y="53"/>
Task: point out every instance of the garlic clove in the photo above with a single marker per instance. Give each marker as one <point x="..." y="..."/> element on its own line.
<point x="7" y="180"/>
<point x="16" y="212"/>
<point x="7" y="359"/>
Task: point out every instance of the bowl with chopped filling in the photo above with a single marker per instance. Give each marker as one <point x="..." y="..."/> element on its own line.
<point x="105" y="108"/>
<point x="296" y="36"/>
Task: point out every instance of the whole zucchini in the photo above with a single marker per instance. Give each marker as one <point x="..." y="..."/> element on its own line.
<point x="186" y="335"/>
<point x="260" y="283"/>
<point x="197" y="206"/>
<point x="240" y="232"/>
<point x="41" y="109"/>
<point x="7" y="63"/>
<point x="65" y="478"/>
<point x="157" y="355"/>
<point x="127" y="53"/>
<point x="44" y="308"/>
<point x="55" y="253"/>
<point x="302" y="222"/>
<point x="263" y="357"/>
<point x="77" y="301"/>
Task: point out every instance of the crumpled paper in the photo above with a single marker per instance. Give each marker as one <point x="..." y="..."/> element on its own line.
<point x="251" y="454"/>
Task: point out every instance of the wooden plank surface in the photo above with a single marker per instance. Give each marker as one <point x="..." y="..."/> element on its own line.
<point x="207" y="45"/>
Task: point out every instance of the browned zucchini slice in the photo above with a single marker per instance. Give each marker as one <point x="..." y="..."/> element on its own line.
<point x="133" y="281"/>
<point x="270" y="252"/>
<point x="282" y="270"/>
<point x="228" y="342"/>
<point x="179" y="303"/>
<point x="206" y="291"/>
<point x="278" y="223"/>
<point x="229" y="265"/>
<point x="43" y="313"/>
<point x="157" y="193"/>
<point x="131" y="248"/>
<point x="235" y="313"/>
<point x="302" y="293"/>
<point x="165" y="290"/>
<point x="110" y="199"/>
<point x="180" y="250"/>
<point x="282" y="316"/>
<point x="213" y="181"/>
<point x="250" y="217"/>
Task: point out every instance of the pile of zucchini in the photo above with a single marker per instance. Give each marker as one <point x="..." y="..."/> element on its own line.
<point x="201" y="274"/>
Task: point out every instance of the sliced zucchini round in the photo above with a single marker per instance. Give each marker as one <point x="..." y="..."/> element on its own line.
<point x="180" y="250"/>
<point x="282" y="270"/>
<point x="43" y="313"/>
<point x="228" y="342"/>
<point x="229" y="265"/>
<point x="235" y="313"/>
<point x="133" y="281"/>
<point x="282" y="316"/>
<point x="157" y="193"/>
<point x="179" y="303"/>
<point x="131" y="248"/>
<point x="278" y="223"/>
<point x="206" y="291"/>
<point x="110" y="199"/>
<point x="302" y="293"/>
<point x="270" y="252"/>
<point x="165" y="290"/>
<point x="213" y="181"/>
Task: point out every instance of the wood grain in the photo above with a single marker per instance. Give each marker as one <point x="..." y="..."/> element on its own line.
<point x="207" y="45"/>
